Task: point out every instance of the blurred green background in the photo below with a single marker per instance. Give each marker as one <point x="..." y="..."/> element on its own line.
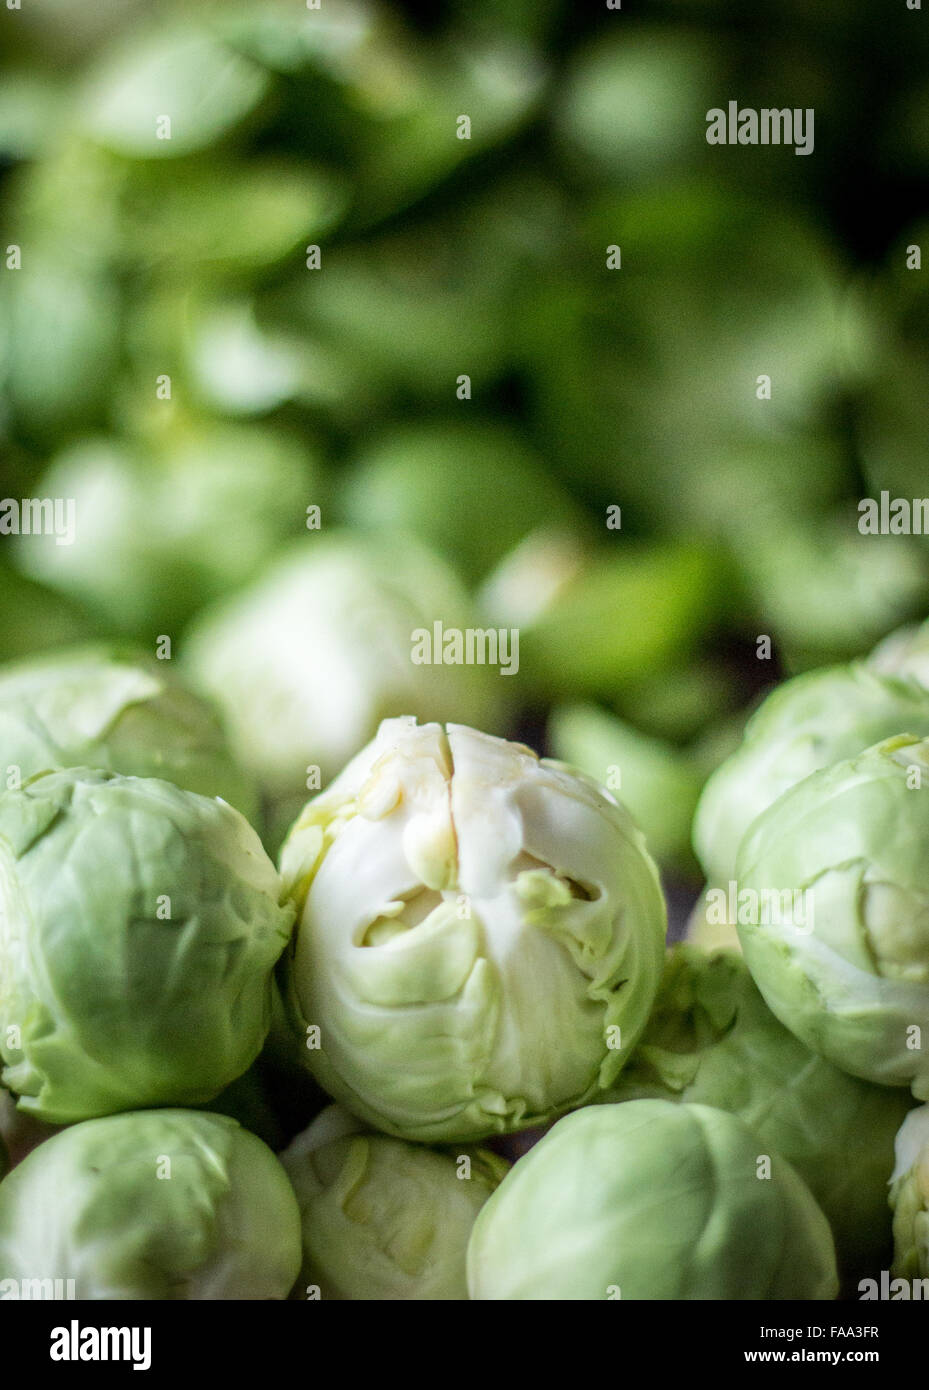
<point x="186" y="264"/>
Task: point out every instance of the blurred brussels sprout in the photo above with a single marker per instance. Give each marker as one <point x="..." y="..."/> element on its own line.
<point x="415" y="100"/>
<point x="139" y="925"/>
<point x="158" y="1204"/>
<point x="825" y="590"/>
<point x="236" y="217"/>
<point x="711" y="1040"/>
<point x="414" y="309"/>
<point x="657" y="783"/>
<point x="664" y="359"/>
<point x="161" y="528"/>
<point x="118" y="710"/>
<point x="904" y="652"/>
<point x="455" y="895"/>
<point x="681" y="702"/>
<point x="665" y="594"/>
<point x="634" y="105"/>
<point x="444" y="484"/>
<point x="909" y="1197"/>
<point x="384" y="1219"/>
<point x="807" y="723"/>
<point x="166" y="92"/>
<point x="307" y="661"/>
<point x="61" y="325"/>
<point x="651" y="1200"/>
<point x="833" y="886"/>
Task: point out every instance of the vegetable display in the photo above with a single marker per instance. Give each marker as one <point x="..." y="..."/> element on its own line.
<point x="464" y="657"/>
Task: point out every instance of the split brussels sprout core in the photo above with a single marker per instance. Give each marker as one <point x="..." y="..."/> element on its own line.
<point x="806" y="724"/>
<point x="480" y="934"/>
<point x="118" y="710"/>
<point x="651" y="1200"/>
<point x="161" y="1204"/>
<point x="834" y="882"/>
<point x="384" y="1219"/>
<point x="139" y="926"/>
<point x="713" y="1040"/>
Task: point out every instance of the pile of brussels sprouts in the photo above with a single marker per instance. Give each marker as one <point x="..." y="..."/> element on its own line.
<point x="229" y="1080"/>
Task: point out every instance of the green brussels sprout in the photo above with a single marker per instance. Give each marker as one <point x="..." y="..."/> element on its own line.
<point x="712" y="1040"/>
<point x="651" y="1200"/>
<point x="909" y="1197"/>
<point x="656" y="782"/>
<point x="157" y="1204"/>
<point x="833" y="884"/>
<point x="139" y="925"/>
<point x="384" y="1219"/>
<point x="480" y="934"/>
<point x="117" y="710"/>
<point x="806" y="724"/>
<point x="308" y="660"/>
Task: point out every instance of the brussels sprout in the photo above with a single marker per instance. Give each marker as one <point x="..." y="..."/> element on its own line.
<point x="712" y="1040"/>
<point x="651" y="1200"/>
<point x="308" y="660"/>
<point x="384" y="1219"/>
<point x="805" y="724"/>
<point x="657" y="783"/>
<point x="833" y="886"/>
<point x="480" y="934"/>
<point x="139" y="925"/>
<point x="117" y="710"/>
<point x="909" y="1197"/>
<point x="160" y="1204"/>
